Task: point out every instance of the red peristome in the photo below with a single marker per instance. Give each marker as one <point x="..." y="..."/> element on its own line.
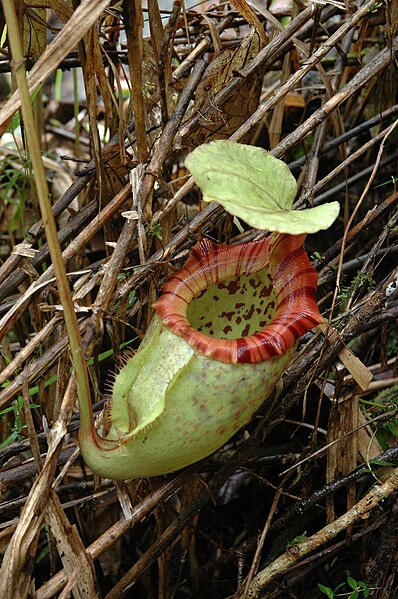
<point x="294" y="281"/>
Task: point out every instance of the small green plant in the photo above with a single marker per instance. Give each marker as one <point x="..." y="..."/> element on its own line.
<point x="375" y="7"/>
<point x="317" y="256"/>
<point x="156" y="230"/>
<point x="360" y="279"/>
<point x="16" y="409"/>
<point x="15" y="184"/>
<point x="385" y="405"/>
<point x="296" y="540"/>
<point x="391" y="229"/>
<point x="358" y="589"/>
<point x="392" y="181"/>
<point x="131" y="299"/>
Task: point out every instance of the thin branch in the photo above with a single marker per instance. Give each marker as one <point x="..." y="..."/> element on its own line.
<point x="295" y="553"/>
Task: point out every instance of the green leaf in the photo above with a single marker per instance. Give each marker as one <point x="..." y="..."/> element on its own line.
<point x="255" y="186"/>
<point x="364" y="587"/>
<point x="378" y="463"/>
<point x="297" y="540"/>
<point x="352" y="583"/>
<point x="225" y="169"/>
<point x="392" y="428"/>
<point x="354" y="595"/>
<point x="131" y="299"/>
<point x="326" y="591"/>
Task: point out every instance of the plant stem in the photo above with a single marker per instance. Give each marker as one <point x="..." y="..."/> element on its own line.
<point x="133" y="22"/>
<point x="78" y="360"/>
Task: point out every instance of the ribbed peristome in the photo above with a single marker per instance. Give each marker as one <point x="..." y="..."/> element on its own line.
<point x="243" y="303"/>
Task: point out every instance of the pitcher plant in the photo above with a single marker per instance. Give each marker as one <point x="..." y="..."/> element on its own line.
<point x="223" y="332"/>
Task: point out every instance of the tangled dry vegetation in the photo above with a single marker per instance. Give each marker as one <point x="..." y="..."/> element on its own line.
<point x="303" y="499"/>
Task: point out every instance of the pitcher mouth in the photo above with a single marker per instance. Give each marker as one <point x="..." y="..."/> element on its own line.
<point x="264" y="288"/>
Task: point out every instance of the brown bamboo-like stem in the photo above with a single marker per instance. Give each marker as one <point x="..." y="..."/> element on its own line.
<point x="296" y="384"/>
<point x="79" y="23"/>
<point x="322" y="51"/>
<point x="293" y="555"/>
<point x="350" y="134"/>
<point x="77" y="356"/>
<point x="380" y="62"/>
<point x="133" y="22"/>
<point x="370" y="320"/>
<point x="363" y="173"/>
<point x="153" y="169"/>
<point x="164" y="61"/>
<point x="303" y="19"/>
<point x="343" y="165"/>
<point x="82" y="238"/>
<point x="106" y="540"/>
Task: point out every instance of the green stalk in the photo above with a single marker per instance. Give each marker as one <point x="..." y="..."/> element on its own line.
<point x="78" y="360"/>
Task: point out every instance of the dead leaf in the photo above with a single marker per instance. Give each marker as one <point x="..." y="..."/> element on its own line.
<point x="209" y="121"/>
<point x="61" y="8"/>
<point x="342" y="456"/>
<point x="110" y="103"/>
<point x="24" y="249"/>
<point x="77" y="563"/>
<point x="34" y="28"/>
<point x="368" y="446"/>
<point x="250" y="16"/>
<point x="117" y="168"/>
<point x="74" y="30"/>
<point x="91" y="94"/>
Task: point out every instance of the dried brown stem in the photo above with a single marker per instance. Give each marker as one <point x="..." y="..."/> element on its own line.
<point x="133" y="22"/>
<point x="360" y="511"/>
<point x="37" y="347"/>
